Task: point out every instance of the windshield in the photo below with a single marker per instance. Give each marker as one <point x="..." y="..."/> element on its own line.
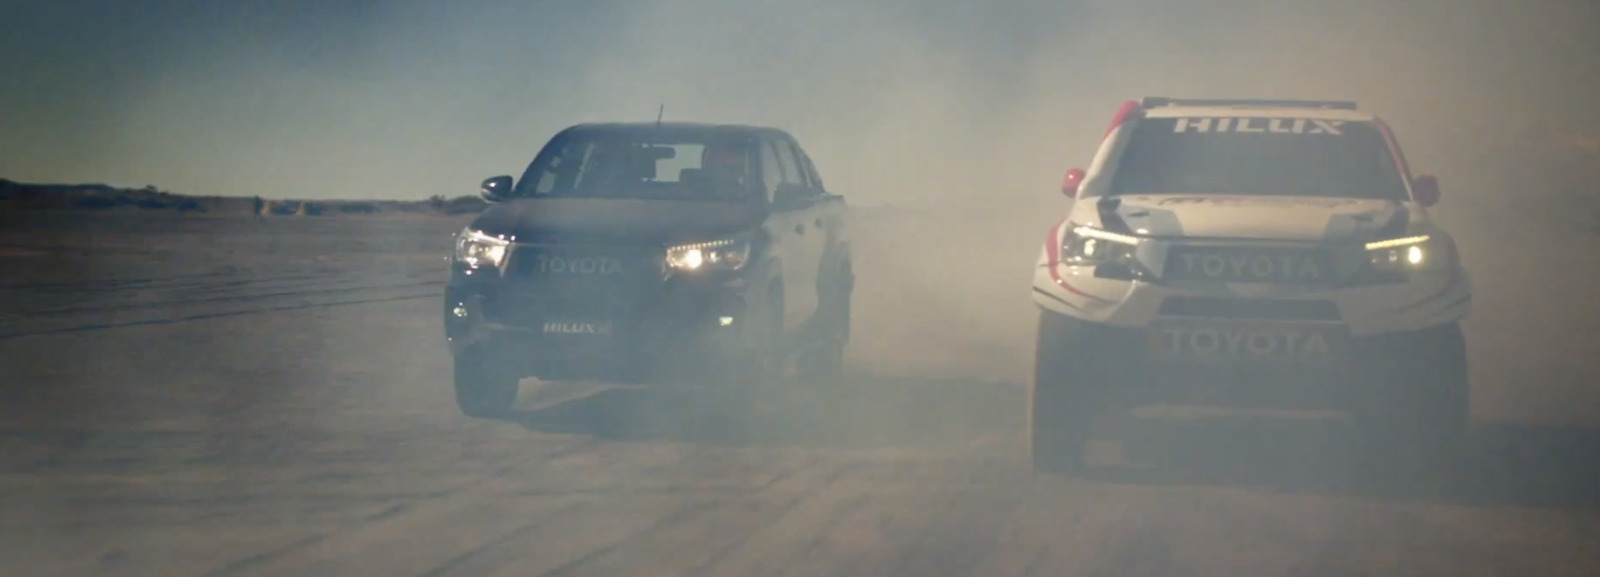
<point x="643" y="164"/>
<point x="1258" y="156"/>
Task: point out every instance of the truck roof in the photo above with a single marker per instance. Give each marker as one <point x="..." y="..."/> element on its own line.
<point x="1165" y="107"/>
<point x="1215" y="111"/>
<point x="675" y="127"/>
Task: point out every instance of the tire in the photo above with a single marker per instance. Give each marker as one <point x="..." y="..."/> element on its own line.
<point x="823" y="361"/>
<point x="485" y="388"/>
<point x="1418" y="400"/>
<point x="757" y="363"/>
<point x="1072" y="376"/>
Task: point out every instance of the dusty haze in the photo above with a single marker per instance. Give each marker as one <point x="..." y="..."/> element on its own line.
<point x="966" y="112"/>
<point x="216" y="394"/>
<point x="937" y="102"/>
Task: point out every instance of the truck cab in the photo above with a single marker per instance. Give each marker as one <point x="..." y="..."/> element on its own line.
<point x="1253" y="254"/>
<point x="650" y="252"/>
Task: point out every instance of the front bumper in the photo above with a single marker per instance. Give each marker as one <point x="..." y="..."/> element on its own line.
<point x="1354" y="370"/>
<point x="1422" y="301"/>
<point x="617" y="333"/>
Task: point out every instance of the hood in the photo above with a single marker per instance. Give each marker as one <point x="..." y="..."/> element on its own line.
<point x="610" y="220"/>
<point x="1253" y="217"/>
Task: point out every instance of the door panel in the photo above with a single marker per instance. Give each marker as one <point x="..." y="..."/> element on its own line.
<point x="806" y="257"/>
<point x="810" y="241"/>
<point x="790" y="248"/>
<point x="788" y="245"/>
<point x="831" y="214"/>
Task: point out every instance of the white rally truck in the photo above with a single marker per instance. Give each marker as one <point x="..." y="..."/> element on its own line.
<point x="1249" y="254"/>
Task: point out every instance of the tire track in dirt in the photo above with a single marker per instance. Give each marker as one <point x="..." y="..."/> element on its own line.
<point x="264" y="556"/>
<point x="91" y="285"/>
<point x="345" y="505"/>
<point x="463" y="558"/>
<point x="487" y="515"/>
<point x="222" y="299"/>
<point x="638" y="534"/>
<point x="448" y="503"/>
<point x="692" y="537"/>
<point x="40" y="304"/>
<point x="215" y="315"/>
<point x="886" y="505"/>
<point x="966" y="532"/>
<point x="181" y="282"/>
<point x="803" y="528"/>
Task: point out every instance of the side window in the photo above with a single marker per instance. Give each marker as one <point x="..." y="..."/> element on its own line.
<point x="802" y="163"/>
<point x="686" y="157"/>
<point x="810" y="169"/>
<point x="791" y="169"/>
<point x="770" y="175"/>
<point x="547" y="182"/>
<point x="565" y="170"/>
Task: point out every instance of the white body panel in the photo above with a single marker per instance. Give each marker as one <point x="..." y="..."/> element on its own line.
<point x="1427" y="300"/>
<point x="1423" y="299"/>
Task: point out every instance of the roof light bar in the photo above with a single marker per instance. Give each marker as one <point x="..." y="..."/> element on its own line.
<point x="1159" y="101"/>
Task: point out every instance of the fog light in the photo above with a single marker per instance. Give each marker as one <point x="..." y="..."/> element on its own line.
<point x="1414" y="255"/>
<point x="460" y="311"/>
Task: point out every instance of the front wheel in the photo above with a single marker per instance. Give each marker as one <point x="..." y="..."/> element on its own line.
<point x="1417" y="395"/>
<point x="759" y="356"/>
<point x="823" y="361"/>
<point x="1072" y="378"/>
<point x="485" y="387"/>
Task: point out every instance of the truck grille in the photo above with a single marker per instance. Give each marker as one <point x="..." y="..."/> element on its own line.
<point x="1237" y="264"/>
<point x="573" y="284"/>
<point x="1251" y="309"/>
<point x="582" y="264"/>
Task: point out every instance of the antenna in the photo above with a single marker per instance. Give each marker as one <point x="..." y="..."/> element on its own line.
<point x="659" y="112"/>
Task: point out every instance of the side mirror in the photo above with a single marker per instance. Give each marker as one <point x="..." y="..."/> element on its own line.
<point x="1425" y="187"/>
<point x="1070" y="182"/>
<point x="496" y="188"/>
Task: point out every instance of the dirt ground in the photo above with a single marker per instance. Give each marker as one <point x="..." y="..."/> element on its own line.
<point x="218" y="396"/>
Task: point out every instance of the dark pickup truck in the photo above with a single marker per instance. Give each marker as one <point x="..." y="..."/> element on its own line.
<point x="647" y="253"/>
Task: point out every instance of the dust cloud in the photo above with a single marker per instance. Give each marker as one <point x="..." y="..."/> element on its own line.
<point x="961" y="115"/>
<point x="308" y="422"/>
<point x="932" y="102"/>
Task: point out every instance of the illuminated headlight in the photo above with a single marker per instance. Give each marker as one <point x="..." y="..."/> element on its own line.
<point x="477" y="249"/>
<point x="726" y="254"/>
<point x="1084" y="245"/>
<point x="1410" y="253"/>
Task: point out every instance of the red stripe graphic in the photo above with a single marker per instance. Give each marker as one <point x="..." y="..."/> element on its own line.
<point x="1052" y="251"/>
<point x="1449" y="284"/>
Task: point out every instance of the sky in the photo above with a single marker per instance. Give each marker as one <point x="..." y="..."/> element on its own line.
<point x="933" y="101"/>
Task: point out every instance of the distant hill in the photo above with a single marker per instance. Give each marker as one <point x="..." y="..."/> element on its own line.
<point x="102" y="197"/>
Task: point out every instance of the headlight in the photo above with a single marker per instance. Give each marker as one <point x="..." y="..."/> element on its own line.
<point x="1084" y="245"/>
<point x="478" y="249"/>
<point x="726" y="254"/>
<point x="1412" y="253"/>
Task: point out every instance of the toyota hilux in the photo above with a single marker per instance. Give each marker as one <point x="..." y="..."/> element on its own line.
<point x="1254" y="254"/>
<point x="650" y="252"/>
